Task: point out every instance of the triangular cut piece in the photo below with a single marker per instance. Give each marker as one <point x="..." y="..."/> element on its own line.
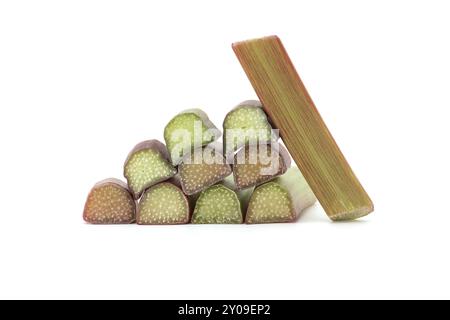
<point x="189" y="130"/>
<point x="255" y="164"/>
<point x="280" y="200"/>
<point x="163" y="203"/>
<point x="217" y="205"/>
<point x="201" y="169"/>
<point x="110" y="202"/>
<point x="146" y="165"/>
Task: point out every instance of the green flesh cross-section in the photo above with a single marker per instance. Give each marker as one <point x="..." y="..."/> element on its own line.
<point x="218" y="205"/>
<point x="188" y="130"/>
<point x="146" y="165"/>
<point x="163" y="203"/>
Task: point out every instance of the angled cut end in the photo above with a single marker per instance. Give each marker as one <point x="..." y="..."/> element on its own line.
<point x="235" y="45"/>
<point x="352" y="215"/>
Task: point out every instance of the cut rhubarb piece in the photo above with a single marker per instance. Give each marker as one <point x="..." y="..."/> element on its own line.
<point x="280" y="200"/>
<point x="146" y="165"/>
<point x="218" y="205"/>
<point x="201" y="169"/>
<point x="255" y="164"/>
<point x="247" y="123"/>
<point x="243" y="194"/>
<point x="110" y="202"/>
<point x="163" y="203"/>
<point x="189" y="130"/>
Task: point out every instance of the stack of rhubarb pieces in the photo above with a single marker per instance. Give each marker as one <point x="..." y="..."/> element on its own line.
<point x="194" y="178"/>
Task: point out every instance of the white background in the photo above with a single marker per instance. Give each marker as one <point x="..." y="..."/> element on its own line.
<point x="81" y="82"/>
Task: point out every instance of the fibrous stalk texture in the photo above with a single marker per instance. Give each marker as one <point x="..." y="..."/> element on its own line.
<point x="291" y="109"/>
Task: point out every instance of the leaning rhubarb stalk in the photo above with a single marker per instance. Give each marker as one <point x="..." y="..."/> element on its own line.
<point x="218" y="205"/>
<point x="255" y="164"/>
<point x="146" y="165"/>
<point x="163" y="203"/>
<point x="280" y="200"/>
<point x="189" y="130"/>
<point x="110" y="202"/>
<point x="306" y="136"/>
<point x="247" y="123"/>
<point x="201" y="169"/>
